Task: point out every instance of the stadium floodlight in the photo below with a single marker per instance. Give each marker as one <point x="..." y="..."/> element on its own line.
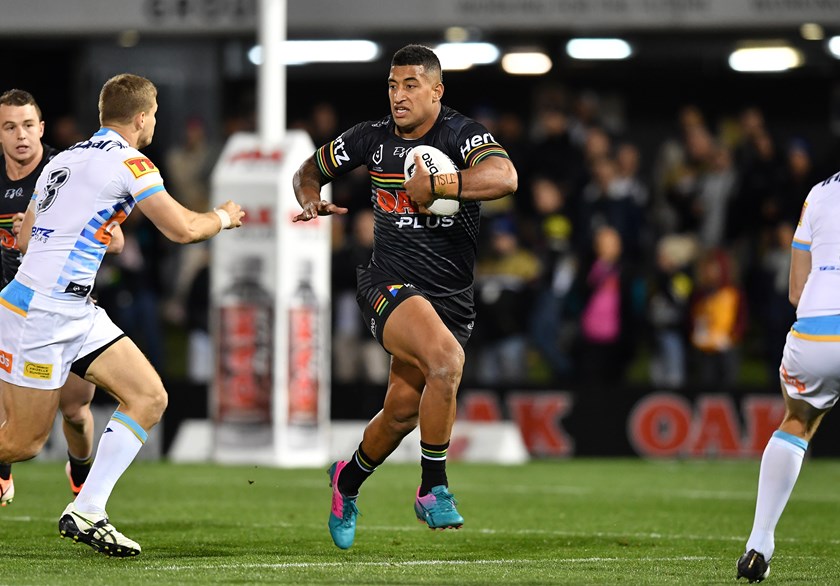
<point x="460" y="56"/>
<point x="526" y="63"/>
<point x="598" y="49"/>
<point x="765" y="58"/>
<point x="303" y="52"/>
<point x="811" y="31"/>
<point x="834" y="47"/>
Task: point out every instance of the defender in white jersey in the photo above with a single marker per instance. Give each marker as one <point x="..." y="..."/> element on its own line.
<point x="810" y="367"/>
<point x="49" y="326"/>
<point x="22" y="159"/>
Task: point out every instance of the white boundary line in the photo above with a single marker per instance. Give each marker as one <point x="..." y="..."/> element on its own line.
<point x="396" y="564"/>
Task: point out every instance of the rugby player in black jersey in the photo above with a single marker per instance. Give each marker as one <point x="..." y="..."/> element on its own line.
<point x="416" y="294"/>
<point x="21" y="161"/>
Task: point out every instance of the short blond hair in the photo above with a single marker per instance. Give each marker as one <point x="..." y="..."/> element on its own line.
<point x="123" y="97"/>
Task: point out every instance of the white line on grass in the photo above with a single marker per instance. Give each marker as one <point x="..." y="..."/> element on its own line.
<point x="409" y="563"/>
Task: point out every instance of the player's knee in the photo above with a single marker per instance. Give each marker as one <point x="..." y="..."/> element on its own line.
<point x="76" y="415"/>
<point x="403" y="422"/>
<point x="446" y="364"/>
<point x="152" y="404"/>
<point x="158" y="403"/>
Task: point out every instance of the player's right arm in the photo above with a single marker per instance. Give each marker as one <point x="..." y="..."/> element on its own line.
<point x="800" y="268"/>
<point x="182" y="225"/>
<point x="23" y="229"/>
<point x="307" y="183"/>
<point x="800" y="252"/>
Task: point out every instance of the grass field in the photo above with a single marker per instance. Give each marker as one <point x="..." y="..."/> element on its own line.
<point x="561" y="522"/>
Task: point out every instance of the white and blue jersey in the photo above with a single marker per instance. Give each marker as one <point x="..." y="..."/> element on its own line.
<point x="818" y="231"/>
<point x="79" y="197"/>
<point x="810" y="368"/>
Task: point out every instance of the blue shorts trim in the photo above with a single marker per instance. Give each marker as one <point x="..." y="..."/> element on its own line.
<point x="791" y="439"/>
<point x="823" y="325"/>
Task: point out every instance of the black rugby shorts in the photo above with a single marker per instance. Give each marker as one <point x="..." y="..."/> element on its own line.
<point x="378" y="294"/>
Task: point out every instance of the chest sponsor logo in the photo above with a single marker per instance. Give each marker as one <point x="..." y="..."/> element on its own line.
<point x="13" y="193"/>
<point x="400" y="151"/>
<point x="399" y="204"/>
<point x="140" y="166"/>
<point x="6" y="361"/>
<point x="39" y="371"/>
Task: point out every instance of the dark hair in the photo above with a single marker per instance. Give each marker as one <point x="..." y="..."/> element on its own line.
<point x="19" y="98"/>
<point x="418" y="55"/>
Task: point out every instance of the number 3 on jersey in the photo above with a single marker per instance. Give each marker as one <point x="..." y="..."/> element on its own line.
<point x="55" y="181"/>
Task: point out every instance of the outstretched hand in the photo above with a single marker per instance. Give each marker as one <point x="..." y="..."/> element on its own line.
<point x="235" y="211"/>
<point x="17" y="221"/>
<point x="318" y="208"/>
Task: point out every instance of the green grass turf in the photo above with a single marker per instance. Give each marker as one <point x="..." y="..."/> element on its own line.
<point x="559" y="522"/>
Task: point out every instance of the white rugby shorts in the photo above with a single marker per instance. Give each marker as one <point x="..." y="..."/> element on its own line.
<point x="810" y="368"/>
<point x="41" y="336"/>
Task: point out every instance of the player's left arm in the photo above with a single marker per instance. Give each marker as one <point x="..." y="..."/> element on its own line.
<point x="800" y="268"/>
<point x="117" y="242"/>
<point x="492" y="178"/>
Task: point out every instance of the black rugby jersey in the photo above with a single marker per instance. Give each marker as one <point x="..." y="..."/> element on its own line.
<point x="436" y="254"/>
<point x="14" y="198"/>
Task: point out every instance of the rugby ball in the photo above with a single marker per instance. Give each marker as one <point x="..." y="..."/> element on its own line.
<point x="435" y="161"/>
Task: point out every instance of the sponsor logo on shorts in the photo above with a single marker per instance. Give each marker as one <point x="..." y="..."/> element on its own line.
<point x="39" y="371"/>
<point x="6" y="361"/>
<point x="394" y="289"/>
<point x="140" y="166"/>
<point x="793" y="381"/>
<point x="373" y="327"/>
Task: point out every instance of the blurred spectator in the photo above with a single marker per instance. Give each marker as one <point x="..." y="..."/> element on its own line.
<point x="65" y="132"/>
<point x="512" y="135"/>
<point x="718" y="320"/>
<point x="683" y="183"/>
<point x="668" y="309"/>
<point x="549" y="328"/>
<point x="776" y="312"/>
<point x="606" y="328"/>
<point x="799" y="177"/>
<point x="323" y="123"/>
<point x="669" y="166"/>
<point x="607" y="201"/>
<point x="628" y="158"/>
<point x="553" y="154"/>
<point x="357" y="356"/>
<point x="761" y="175"/>
<point x="505" y="277"/>
<point x="717" y="186"/>
<point x="189" y="165"/>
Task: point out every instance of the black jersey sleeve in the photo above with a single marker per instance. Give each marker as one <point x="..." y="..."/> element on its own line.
<point x="346" y="152"/>
<point x="468" y="142"/>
